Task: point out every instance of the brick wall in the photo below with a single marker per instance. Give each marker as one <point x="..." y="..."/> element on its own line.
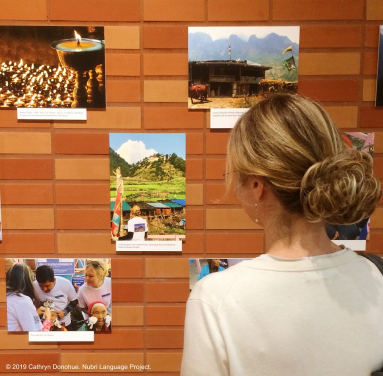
<point x="55" y="175"/>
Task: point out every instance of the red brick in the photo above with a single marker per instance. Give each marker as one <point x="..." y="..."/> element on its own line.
<point x="26" y="194"/>
<point x="371" y="117"/>
<point x="174" y="10"/>
<point x="370" y="63"/>
<point x="216" y="143"/>
<point x="165" y="37"/>
<point x="164" y="338"/>
<point x="194" y="168"/>
<point x="318" y="10"/>
<point x="194" y="143"/>
<point x="35" y="359"/>
<point x="9" y="120"/>
<point x="127" y="292"/>
<point x="95" y="10"/>
<point x="161" y="64"/>
<point x="165" y="315"/>
<point x="193" y="243"/>
<point x="216" y="194"/>
<point x="22" y="169"/>
<point x="122" y="339"/>
<point x="82" y="194"/>
<point x="119" y="64"/>
<point x="235" y="243"/>
<point x="374" y="245"/>
<point x="81" y="143"/>
<point x="377" y="216"/>
<point x="195" y="219"/>
<point x="167" y="292"/>
<point x="238" y="10"/>
<point x="127" y="268"/>
<point x="164" y="362"/>
<point x="83" y="219"/>
<point x="329" y="90"/>
<point x="215" y="168"/>
<point x="378" y="167"/>
<point x="3" y="315"/>
<point x="23" y="10"/>
<point x="22" y="243"/>
<point x="122" y="91"/>
<point x="371" y="36"/>
<point x="172" y="118"/>
<point x="330" y="36"/>
<point x="166" y="268"/>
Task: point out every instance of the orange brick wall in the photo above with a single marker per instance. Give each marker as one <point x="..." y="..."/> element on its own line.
<point x="55" y="175"/>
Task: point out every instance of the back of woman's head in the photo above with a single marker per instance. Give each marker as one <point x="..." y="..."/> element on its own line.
<point x="19" y="280"/>
<point x="293" y="145"/>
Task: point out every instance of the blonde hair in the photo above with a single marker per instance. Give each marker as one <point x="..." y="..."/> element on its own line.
<point x="99" y="268"/>
<point x="293" y="145"/>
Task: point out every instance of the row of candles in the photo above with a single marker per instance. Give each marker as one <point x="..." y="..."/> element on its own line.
<point x="23" y="85"/>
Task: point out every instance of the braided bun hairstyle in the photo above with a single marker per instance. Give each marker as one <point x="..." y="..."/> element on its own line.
<point x="292" y="143"/>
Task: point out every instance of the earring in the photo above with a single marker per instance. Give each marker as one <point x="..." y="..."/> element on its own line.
<point x="256" y="213"/>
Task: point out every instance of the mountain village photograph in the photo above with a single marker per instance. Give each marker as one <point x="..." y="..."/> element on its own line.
<point x="147" y="186"/>
<point x="235" y="67"/>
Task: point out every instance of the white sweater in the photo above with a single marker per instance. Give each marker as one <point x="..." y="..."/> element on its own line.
<point x="312" y="316"/>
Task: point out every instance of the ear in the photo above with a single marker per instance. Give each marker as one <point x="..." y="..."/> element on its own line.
<point x="258" y="188"/>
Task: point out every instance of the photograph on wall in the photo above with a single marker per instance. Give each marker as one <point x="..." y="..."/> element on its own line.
<point x="59" y="299"/>
<point x="379" y="81"/>
<point x="52" y="67"/>
<point x="236" y="66"/>
<point x="200" y="268"/>
<point x="147" y="191"/>
<point x="354" y="236"/>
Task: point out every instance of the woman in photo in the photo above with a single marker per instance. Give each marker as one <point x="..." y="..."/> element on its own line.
<point x="306" y="306"/>
<point x="97" y="286"/>
<point x="21" y="312"/>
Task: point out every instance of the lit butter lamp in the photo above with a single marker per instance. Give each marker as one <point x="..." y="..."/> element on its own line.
<point x="82" y="55"/>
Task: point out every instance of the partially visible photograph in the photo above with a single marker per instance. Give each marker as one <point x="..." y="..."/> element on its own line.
<point x="147" y="187"/>
<point x="379" y="80"/>
<point x="58" y="295"/>
<point x="235" y="66"/>
<point x="200" y="268"/>
<point x="357" y="231"/>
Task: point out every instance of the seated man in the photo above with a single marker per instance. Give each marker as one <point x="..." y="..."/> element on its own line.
<point x="58" y="290"/>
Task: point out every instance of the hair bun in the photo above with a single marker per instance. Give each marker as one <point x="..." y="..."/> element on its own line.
<point x="340" y="189"/>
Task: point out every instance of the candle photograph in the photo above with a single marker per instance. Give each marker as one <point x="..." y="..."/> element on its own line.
<point x="52" y="67"/>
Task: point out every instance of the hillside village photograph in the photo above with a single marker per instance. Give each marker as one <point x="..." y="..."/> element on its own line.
<point x="147" y="186"/>
<point x="235" y="67"/>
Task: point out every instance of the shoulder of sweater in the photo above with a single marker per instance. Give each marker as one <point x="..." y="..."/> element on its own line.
<point x="212" y="288"/>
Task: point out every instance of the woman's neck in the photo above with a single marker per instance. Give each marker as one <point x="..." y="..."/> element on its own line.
<point x="299" y="238"/>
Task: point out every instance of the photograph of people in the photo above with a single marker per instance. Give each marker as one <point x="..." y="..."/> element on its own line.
<point x="57" y="290"/>
<point x="306" y="306"/>
<point x="99" y="320"/>
<point x="97" y="287"/>
<point x="41" y="293"/>
<point x="22" y="314"/>
<point x="137" y="227"/>
<point x="213" y="266"/>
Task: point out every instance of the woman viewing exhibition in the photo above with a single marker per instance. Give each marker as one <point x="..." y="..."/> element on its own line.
<point x="306" y="306"/>
<point x="21" y="312"/>
<point x="97" y="286"/>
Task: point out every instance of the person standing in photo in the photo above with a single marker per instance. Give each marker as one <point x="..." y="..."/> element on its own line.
<point x="57" y="289"/>
<point x="137" y="227"/>
<point x="21" y="311"/>
<point x="97" y="287"/>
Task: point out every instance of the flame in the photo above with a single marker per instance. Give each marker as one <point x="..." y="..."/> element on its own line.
<point x="21" y="63"/>
<point x="78" y="37"/>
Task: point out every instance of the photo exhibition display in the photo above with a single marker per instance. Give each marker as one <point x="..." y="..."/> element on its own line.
<point x="147" y="191"/>
<point x="52" y="67"/>
<point x="232" y="68"/>
<point x="76" y="292"/>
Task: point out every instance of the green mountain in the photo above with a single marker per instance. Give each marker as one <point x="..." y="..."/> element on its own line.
<point x="116" y="161"/>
